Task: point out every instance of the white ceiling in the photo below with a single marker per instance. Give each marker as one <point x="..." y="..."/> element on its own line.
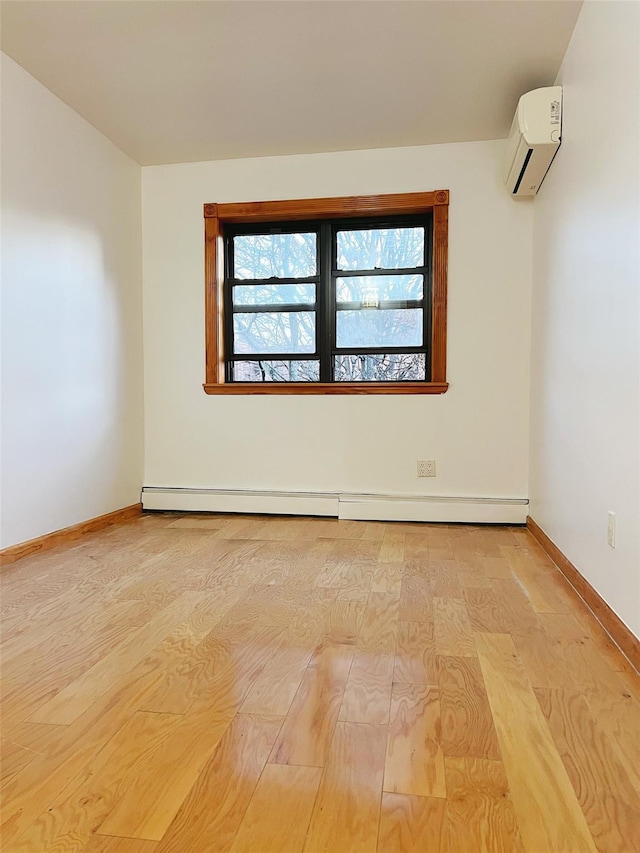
<point x="175" y="80"/>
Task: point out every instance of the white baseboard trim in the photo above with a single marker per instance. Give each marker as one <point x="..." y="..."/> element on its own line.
<point x="337" y="505"/>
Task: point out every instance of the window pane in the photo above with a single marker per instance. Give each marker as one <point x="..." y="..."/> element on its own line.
<point x="372" y="289"/>
<point x="276" y="371"/>
<point x="283" y="331"/>
<point x="393" y="367"/>
<point x="274" y="294"/>
<point x="383" y="248"/>
<point x="400" y="327"/>
<point x="281" y="255"/>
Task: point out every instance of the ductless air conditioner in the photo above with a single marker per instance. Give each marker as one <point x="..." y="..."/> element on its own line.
<point x="533" y="141"/>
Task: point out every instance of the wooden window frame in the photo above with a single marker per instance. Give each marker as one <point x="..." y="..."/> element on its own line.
<point x="216" y="216"/>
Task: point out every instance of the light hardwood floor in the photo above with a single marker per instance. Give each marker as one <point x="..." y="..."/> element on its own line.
<point x="191" y="683"/>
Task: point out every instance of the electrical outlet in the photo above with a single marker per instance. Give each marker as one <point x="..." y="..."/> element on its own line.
<point x="426" y="468"/>
<point x="611" y="529"/>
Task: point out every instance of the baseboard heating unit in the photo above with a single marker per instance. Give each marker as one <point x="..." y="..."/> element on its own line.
<point x="358" y="507"/>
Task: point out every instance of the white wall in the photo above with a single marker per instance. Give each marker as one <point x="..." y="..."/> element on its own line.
<point x="477" y="431"/>
<point x="586" y="312"/>
<point x="72" y="404"/>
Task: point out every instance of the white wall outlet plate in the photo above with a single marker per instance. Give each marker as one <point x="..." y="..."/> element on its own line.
<point x="611" y="529"/>
<point x="426" y="468"/>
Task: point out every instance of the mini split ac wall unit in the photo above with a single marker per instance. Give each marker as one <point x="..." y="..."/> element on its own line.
<point x="533" y="141"/>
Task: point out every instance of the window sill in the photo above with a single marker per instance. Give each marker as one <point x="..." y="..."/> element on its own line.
<point x="326" y="388"/>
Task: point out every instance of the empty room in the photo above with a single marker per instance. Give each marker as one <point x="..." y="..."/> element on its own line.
<point x="320" y="428"/>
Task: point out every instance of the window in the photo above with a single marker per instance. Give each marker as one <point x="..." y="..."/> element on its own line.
<point x="327" y="295"/>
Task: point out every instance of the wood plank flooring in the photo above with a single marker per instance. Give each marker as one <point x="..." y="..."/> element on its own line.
<point x="227" y="684"/>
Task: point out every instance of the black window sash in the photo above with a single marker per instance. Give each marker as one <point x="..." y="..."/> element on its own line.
<point x="326" y="305"/>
